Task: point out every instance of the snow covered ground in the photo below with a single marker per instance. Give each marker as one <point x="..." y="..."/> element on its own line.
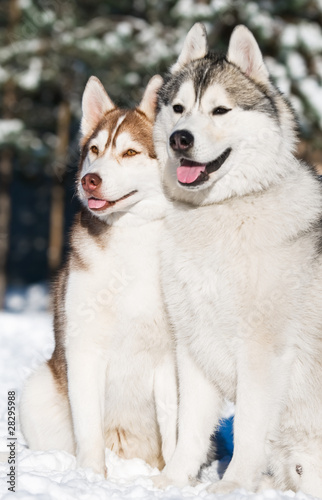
<point x="26" y="340"/>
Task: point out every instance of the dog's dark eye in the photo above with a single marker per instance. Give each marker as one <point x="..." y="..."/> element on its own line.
<point x="220" y="110"/>
<point x="177" y="108"/>
<point x="94" y="150"/>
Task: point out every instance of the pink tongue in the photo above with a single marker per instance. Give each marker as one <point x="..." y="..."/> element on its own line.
<point x="189" y="172"/>
<point x="92" y="203"/>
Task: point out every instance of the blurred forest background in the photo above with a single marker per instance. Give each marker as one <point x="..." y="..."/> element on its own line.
<point x="48" y="50"/>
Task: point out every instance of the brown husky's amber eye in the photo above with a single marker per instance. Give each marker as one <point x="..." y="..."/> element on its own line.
<point x="94" y="150"/>
<point x="130" y="152"/>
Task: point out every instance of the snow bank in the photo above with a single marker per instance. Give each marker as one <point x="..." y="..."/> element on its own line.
<point x="26" y="340"/>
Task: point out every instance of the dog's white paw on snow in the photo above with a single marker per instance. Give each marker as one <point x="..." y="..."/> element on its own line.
<point x="223" y="487"/>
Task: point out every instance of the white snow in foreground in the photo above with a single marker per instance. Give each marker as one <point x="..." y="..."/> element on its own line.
<point x="26" y="340"/>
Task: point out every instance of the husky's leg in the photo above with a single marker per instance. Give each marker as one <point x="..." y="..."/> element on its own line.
<point x="266" y="483"/>
<point x="296" y="460"/>
<point x="86" y="383"/>
<point x="166" y="401"/>
<point x="308" y="469"/>
<point x="45" y="413"/>
<point x="262" y="377"/>
<point x="199" y="409"/>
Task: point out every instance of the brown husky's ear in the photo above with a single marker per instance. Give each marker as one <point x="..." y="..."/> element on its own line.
<point x="149" y="99"/>
<point x="244" y="51"/>
<point x="195" y="47"/>
<point x="95" y="104"/>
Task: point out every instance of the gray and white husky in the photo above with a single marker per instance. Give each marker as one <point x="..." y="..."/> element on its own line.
<point x="111" y="381"/>
<point x="241" y="269"/>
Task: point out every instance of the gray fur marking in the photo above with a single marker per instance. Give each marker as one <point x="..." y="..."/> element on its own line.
<point x="214" y="68"/>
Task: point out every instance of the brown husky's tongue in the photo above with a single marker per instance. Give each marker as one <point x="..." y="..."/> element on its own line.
<point x="189" y="171"/>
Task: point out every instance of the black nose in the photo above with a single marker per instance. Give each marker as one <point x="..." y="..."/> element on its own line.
<point x="181" y="140"/>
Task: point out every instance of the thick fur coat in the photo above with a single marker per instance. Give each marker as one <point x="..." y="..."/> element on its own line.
<point x="111" y="381"/>
<point x="241" y="269"/>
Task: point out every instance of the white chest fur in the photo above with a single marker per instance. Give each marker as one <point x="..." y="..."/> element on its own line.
<point x="120" y="285"/>
<point x="228" y="272"/>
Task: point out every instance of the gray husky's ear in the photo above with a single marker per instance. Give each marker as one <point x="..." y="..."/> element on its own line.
<point x="95" y="104"/>
<point x="244" y="51"/>
<point x="149" y="100"/>
<point x="195" y="47"/>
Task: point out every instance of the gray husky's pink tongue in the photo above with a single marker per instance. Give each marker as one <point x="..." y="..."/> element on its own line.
<point x="189" y="171"/>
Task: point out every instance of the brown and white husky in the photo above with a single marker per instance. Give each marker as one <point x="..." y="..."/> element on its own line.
<point x="111" y="381"/>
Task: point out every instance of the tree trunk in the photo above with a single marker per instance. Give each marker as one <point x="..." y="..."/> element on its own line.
<point x="6" y="156"/>
<point x="56" y="237"/>
<point x="5" y="205"/>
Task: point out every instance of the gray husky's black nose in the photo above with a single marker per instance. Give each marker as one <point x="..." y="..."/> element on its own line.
<point x="181" y="140"/>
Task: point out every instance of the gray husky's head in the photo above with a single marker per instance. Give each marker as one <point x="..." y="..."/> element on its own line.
<point x="222" y="128"/>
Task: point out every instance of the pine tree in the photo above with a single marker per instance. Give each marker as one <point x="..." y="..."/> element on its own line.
<point x="53" y="47"/>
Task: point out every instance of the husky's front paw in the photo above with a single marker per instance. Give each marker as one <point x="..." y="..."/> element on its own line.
<point x="163" y="480"/>
<point x="97" y="466"/>
<point x="267" y="483"/>
<point x="223" y="487"/>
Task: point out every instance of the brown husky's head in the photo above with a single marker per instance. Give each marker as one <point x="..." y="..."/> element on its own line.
<point x="118" y="171"/>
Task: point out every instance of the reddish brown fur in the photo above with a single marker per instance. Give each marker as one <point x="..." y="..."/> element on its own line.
<point x="140" y="128"/>
<point x="57" y="363"/>
<point x="117" y="437"/>
<point x="135" y="122"/>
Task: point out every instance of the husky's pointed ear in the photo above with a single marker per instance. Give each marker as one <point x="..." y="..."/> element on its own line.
<point x="244" y="51"/>
<point x="195" y="47"/>
<point x="148" y="103"/>
<point x="95" y="104"/>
